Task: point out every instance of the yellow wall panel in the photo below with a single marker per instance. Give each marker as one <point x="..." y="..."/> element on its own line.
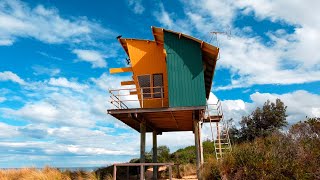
<point x="148" y="58"/>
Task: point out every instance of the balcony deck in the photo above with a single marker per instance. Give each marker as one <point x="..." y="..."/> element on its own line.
<point x="160" y="119"/>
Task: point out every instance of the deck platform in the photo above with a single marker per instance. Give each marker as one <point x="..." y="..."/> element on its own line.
<point x="160" y="119"/>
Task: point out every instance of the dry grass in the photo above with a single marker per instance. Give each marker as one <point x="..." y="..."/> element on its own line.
<point x="45" y="174"/>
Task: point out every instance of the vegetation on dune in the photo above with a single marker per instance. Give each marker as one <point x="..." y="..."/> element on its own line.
<point x="46" y="173"/>
<point x="262" y="151"/>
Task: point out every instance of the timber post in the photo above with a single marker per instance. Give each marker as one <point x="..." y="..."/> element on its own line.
<point x="142" y="146"/>
<point x="155" y="155"/>
<point x="199" y="152"/>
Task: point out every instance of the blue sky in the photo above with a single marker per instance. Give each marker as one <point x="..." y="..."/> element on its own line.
<point x="55" y="57"/>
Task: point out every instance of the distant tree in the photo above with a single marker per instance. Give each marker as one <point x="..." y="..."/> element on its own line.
<point x="306" y="129"/>
<point x="163" y="154"/>
<point x="263" y="121"/>
<point x="234" y="133"/>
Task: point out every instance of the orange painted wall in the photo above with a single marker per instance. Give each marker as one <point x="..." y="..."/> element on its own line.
<point x="147" y="57"/>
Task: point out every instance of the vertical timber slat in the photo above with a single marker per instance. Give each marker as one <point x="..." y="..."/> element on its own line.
<point x="114" y="172"/>
<point x="154" y="157"/>
<point x="141" y="172"/>
<point x="196" y="139"/>
<point x="142" y="141"/>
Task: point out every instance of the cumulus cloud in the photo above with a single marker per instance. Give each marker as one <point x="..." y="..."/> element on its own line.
<point x="10" y="76"/>
<point x="8" y="131"/>
<point x="91" y="56"/>
<point x="300" y="104"/>
<point x="18" y="19"/>
<point x="287" y="58"/>
<point x="170" y="20"/>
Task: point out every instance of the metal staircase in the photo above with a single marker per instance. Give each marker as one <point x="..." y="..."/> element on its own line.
<point x="221" y="139"/>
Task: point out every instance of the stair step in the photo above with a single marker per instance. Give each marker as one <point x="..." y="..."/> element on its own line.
<point x="222" y="143"/>
<point x="223" y="148"/>
<point x="221" y="140"/>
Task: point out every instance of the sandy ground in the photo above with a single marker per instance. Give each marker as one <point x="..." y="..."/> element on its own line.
<point x="149" y="174"/>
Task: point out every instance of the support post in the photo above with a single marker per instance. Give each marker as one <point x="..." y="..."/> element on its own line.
<point x="128" y="173"/>
<point x="142" y="141"/>
<point x="170" y="172"/>
<point x="141" y="172"/>
<point x="199" y="153"/>
<point x="155" y="155"/>
<point x="201" y="146"/>
<point x="114" y="172"/>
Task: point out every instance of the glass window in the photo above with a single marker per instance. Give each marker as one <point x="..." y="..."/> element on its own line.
<point x="144" y="83"/>
<point x="157" y="85"/>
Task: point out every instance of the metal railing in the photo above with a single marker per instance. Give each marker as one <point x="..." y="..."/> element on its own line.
<point x="120" y="98"/>
<point x="215" y="109"/>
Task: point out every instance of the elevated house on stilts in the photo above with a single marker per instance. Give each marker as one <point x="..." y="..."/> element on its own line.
<point x="172" y="78"/>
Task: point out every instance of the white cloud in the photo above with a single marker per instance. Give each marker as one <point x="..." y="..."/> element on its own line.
<point x="222" y="13"/>
<point x="164" y="17"/>
<point x="63" y="82"/>
<point x="56" y="109"/>
<point x="170" y="20"/>
<point x="106" y="82"/>
<point x="255" y="63"/>
<point x="91" y="56"/>
<point x="299" y="105"/>
<point x="288" y="58"/>
<point x="40" y="70"/>
<point x="10" y="76"/>
<point x="136" y="6"/>
<point x="18" y="19"/>
<point x="286" y="10"/>
<point x="7" y="131"/>
<point x="6" y="42"/>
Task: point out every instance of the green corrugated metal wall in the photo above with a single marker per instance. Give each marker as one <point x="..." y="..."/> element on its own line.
<point x="185" y="71"/>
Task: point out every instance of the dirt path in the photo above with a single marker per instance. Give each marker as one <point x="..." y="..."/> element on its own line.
<point x="162" y="168"/>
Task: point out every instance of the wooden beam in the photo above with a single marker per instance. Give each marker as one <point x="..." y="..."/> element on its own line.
<point x="144" y="110"/>
<point x="154" y="35"/>
<point x="174" y="119"/>
<point x="140" y="118"/>
<point x="133" y="92"/>
<point x="124" y="83"/>
<point x="120" y="70"/>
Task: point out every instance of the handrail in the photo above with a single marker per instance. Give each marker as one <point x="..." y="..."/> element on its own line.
<point x="118" y="97"/>
<point x="217" y="108"/>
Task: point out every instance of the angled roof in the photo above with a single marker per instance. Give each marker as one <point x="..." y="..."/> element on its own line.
<point x="209" y="52"/>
